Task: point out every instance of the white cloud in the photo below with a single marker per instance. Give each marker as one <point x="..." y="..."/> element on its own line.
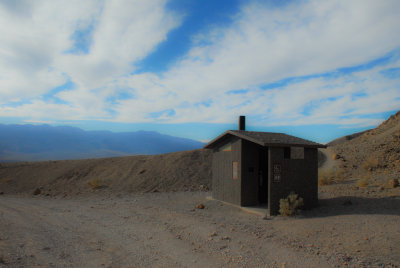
<point x="32" y="36"/>
<point x="125" y="32"/>
<point x="35" y="40"/>
<point x="263" y="45"/>
<point x="266" y="45"/>
<point x="40" y="122"/>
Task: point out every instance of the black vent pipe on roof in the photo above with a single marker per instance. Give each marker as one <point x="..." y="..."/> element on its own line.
<point x="242" y="122"/>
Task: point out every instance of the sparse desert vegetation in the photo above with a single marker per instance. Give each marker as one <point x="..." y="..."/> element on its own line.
<point x="291" y="205"/>
<point x="363" y="181"/>
<point x="371" y="163"/>
<point x="327" y="177"/>
<point x="5" y="180"/>
<point x="370" y="160"/>
<point x="393" y="183"/>
<point x="95" y="184"/>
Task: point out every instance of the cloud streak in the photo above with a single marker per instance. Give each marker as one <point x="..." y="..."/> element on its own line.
<point x="285" y="65"/>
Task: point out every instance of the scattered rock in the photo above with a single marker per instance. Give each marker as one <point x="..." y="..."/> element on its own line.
<point x="1" y="193"/>
<point x="37" y="191"/>
<point x="63" y="255"/>
<point x="213" y="234"/>
<point x="203" y="187"/>
<point x="200" y="206"/>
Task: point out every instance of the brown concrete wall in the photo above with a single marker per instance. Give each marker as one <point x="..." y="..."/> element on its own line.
<point x="298" y="175"/>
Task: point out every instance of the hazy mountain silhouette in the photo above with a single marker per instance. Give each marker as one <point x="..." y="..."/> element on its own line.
<point x="45" y="142"/>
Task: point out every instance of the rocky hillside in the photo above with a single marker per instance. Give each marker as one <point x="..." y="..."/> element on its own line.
<point x="375" y="152"/>
<point x="180" y="171"/>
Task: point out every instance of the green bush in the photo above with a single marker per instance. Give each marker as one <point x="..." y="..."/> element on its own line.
<point x="290" y="206"/>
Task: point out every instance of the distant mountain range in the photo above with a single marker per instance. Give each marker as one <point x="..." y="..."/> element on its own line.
<point x="45" y="142"/>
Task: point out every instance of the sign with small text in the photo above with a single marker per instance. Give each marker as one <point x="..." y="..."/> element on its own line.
<point x="277" y="172"/>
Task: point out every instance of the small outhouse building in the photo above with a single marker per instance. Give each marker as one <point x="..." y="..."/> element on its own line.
<point x="259" y="168"/>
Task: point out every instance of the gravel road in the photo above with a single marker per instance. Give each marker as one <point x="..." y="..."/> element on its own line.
<point x="162" y="230"/>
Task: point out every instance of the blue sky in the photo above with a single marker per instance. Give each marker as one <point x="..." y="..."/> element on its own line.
<point x="315" y="69"/>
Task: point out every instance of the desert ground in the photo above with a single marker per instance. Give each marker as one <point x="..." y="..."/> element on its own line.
<point x="104" y="227"/>
<point x="168" y="230"/>
<point x="155" y="211"/>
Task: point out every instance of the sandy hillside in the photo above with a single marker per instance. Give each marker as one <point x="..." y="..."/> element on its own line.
<point x="181" y="171"/>
<point x="366" y="163"/>
<point x="376" y="150"/>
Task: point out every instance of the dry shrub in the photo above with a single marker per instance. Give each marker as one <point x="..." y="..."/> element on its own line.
<point x="371" y="163"/>
<point x="95" y="183"/>
<point x="362" y="182"/>
<point x="339" y="176"/>
<point x="327" y="177"/>
<point x="322" y="180"/>
<point x="5" y="180"/>
<point x="394" y="183"/>
<point x="37" y="191"/>
<point x="200" y="206"/>
<point x="290" y="206"/>
<point x="335" y="156"/>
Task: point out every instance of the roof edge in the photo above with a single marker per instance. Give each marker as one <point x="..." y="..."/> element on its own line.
<point x="211" y="143"/>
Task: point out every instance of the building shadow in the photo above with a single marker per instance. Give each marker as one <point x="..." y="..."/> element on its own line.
<point x="352" y="205"/>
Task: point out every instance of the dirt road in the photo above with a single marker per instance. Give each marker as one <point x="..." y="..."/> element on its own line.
<point x="158" y="230"/>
